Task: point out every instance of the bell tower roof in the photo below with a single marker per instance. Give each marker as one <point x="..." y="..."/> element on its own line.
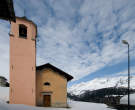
<point x="26" y="19"/>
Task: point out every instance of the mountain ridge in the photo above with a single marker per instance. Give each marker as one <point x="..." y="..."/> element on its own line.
<point x="99" y="83"/>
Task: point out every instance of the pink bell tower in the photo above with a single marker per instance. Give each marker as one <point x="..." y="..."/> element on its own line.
<point x="23" y="62"/>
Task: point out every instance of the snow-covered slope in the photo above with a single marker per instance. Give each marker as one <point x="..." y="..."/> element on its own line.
<point x="124" y="100"/>
<point x="99" y="83"/>
<point x="4" y="94"/>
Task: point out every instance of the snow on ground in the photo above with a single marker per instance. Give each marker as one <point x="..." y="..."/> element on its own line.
<point x="74" y="106"/>
<point x="124" y="100"/>
<point x="4" y="94"/>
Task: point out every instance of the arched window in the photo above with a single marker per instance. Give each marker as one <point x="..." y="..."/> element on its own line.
<point x="47" y="84"/>
<point x="22" y="31"/>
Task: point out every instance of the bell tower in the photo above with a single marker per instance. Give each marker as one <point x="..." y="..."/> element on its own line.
<point x="23" y="62"/>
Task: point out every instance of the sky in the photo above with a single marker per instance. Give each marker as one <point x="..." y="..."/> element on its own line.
<point x="81" y="37"/>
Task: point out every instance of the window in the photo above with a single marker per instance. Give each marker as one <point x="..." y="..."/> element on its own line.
<point x="47" y="84"/>
<point x="22" y="31"/>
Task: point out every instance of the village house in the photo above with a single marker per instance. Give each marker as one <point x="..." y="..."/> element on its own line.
<point x="45" y="85"/>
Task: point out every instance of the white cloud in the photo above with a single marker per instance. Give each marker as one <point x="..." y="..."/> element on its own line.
<point x="93" y="43"/>
<point x="80" y="37"/>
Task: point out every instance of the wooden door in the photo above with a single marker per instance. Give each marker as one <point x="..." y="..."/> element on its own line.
<point x="47" y="100"/>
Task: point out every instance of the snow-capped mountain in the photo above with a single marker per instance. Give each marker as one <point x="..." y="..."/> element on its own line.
<point x="98" y="83"/>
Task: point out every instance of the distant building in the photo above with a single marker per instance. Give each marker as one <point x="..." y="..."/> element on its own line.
<point x="123" y="105"/>
<point x="3" y="81"/>
<point x="44" y="85"/>
<point x="124" y="99"/>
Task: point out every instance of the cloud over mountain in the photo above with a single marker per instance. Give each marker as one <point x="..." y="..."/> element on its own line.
<point x="78" y="36"/>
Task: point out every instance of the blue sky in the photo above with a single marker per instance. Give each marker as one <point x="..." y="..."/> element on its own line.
<point x="81" y="37"/>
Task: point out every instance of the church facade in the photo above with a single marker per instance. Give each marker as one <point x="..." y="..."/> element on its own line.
<point x="51" y="88"/>
<point x="44" y="85"/>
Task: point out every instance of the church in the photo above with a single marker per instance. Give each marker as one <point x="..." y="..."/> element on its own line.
<point x="44" y="85"/>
